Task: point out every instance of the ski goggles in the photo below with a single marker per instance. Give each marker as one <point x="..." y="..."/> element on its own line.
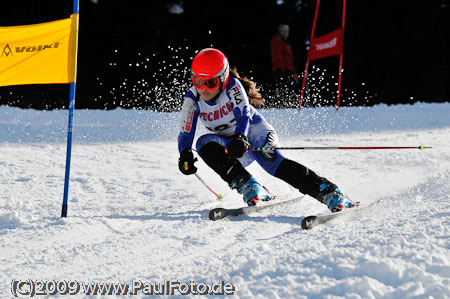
<point x="210" y="84"/>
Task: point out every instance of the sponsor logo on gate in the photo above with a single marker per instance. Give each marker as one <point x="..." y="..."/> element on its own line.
<point x="6" y="50"/>
<point x="331" y="44"/>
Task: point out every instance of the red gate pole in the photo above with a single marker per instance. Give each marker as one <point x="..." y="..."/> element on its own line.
<point x="338" y="102"/>
<point x="305" y="74"/>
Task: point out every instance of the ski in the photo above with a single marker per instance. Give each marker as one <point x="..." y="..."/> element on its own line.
<point x="221" y="213"/>
<point x="314" y="220"/>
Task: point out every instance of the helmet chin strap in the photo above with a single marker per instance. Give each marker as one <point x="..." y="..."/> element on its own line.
<point x="214" y="99"/>
<point x="216" y="96"/>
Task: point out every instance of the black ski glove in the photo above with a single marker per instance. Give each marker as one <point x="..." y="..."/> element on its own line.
<point x="186" y="162"/>
<point x="237" y="146"/>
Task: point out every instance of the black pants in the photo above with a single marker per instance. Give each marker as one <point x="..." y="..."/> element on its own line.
<point x="293" y="173"/>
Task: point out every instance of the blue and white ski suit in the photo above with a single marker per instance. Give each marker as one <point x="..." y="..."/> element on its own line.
<point x="227" y="114"/>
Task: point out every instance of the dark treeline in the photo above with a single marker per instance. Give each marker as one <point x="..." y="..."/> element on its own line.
<point x="136" y="54"/>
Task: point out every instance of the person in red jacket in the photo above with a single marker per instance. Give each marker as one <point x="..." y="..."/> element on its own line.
<point x="282" y="55"/>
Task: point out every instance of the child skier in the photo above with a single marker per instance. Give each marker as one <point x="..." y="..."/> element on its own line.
<point x="218" y="98"/>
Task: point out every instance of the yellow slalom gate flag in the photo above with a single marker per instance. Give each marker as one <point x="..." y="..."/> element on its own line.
<point x="43" y="53"/>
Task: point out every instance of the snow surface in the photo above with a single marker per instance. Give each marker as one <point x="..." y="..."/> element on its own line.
<point x="133" y="216"/>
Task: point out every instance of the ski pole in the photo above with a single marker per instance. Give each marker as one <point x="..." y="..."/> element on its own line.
<point x="253" y="148"/>
<point x="218" y="196"/>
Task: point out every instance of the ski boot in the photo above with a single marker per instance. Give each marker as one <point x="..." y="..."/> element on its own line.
<point x="334" y="199"/>
<point x="254" y="193"/>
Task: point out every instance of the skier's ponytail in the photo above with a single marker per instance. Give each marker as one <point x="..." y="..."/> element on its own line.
<point x="253" y="94"/>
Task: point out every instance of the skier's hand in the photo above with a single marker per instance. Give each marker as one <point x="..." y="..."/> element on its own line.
<point x="237" y="146"/>
<point x="186" y="162"/>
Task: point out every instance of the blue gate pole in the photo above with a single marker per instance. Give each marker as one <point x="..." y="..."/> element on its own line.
<point x="69" y="133"/>
<point x="69" y="149"/>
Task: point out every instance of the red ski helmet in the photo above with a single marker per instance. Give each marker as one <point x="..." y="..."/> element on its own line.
<point x="210" y="69"/>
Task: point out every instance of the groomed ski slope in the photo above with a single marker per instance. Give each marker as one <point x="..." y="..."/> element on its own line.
<point x="133" y="216"/>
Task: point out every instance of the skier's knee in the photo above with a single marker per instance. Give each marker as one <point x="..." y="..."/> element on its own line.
<point x="230" y="169"/>
<point x="209" y="138"/>
<point x="214" y="155"/>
